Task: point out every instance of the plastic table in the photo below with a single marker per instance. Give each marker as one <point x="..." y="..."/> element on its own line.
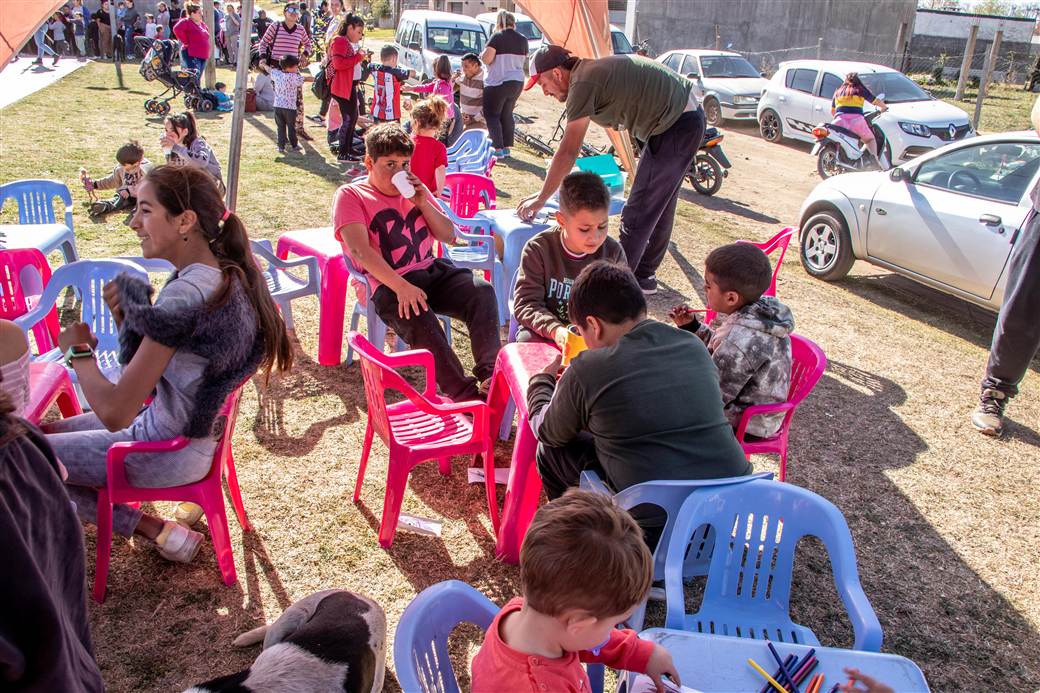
<point x="49" y="384"/>
<point x="44" y="237"/>
<point x="710" y="663"/>
<point x="515" y="365"/>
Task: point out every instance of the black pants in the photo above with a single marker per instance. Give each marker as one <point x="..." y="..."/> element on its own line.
<point x="113" y="204"/>
<point x="285" y="119"/>
<point x="1016" y="336"/>
<point x="348" y="110"/>
<point x="525" y="335"/>
<point x="646" y="220"/>
<point x="498" y="112"/>
<point x="457" y="293"/>
<point x="324" y="110"/>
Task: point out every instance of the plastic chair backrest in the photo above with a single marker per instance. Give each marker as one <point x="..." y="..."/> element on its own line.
<point x="605" y="166"/>
<point x="467" y="191"/>
<point x="808" y="363"/>
<point x="23" y="274"/>
<point x="469" y="140"/>
<point x="35" y="197"/>
<point x="779" y="241"/>
<point x="421" y="655"/>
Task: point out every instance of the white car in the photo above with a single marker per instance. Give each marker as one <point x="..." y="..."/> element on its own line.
<point x="727" y="85"/>
<point x="948" y="219"/>
<point x="423" y="36"/>
<point x="799" y="97"/>
<point x="524" y="24"/>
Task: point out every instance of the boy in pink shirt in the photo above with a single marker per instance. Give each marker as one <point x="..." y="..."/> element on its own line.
<point x="391" y="238"/>
<point x="584" y="568"/>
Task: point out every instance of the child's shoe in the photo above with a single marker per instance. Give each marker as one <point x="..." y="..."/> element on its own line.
<point x="188" y="514"/>
<point x="297" y="148"/>
<point x="177" y="543"/>
<point x="281" y="150"/>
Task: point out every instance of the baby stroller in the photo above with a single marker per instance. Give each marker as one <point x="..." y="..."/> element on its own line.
<point x="158" y="66"/>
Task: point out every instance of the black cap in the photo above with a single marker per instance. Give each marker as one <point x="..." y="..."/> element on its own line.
<point x="546" y="58"/>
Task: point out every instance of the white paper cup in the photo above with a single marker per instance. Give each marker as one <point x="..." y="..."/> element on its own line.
<point x="403" y="185"/>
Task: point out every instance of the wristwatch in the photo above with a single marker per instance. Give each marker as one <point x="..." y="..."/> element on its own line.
<point x="78" y="351"/>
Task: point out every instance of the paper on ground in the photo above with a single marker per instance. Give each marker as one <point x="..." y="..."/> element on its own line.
<point x="476" y="475"/>
<point x="421" y="525"/>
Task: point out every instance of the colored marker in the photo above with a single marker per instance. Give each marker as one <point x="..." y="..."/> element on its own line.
<point x="786" y="674"/>
<point x="805" y="669"/>
<point x="767" y="677"/>
<point x="791" y="662"/>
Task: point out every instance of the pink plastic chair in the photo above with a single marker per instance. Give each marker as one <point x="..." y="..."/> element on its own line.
<point x="467" y="192"/>
<point x="23" y="274"/>
<point x="807" y="366"/>
<point x="208" y="492"/>
<point x="420" y="428"/>
<point x="778" y="242"/>
<point x="49" y="384"/>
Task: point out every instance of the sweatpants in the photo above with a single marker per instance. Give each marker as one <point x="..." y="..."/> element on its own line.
<point x="499" y="102"/>
<point x="1016" y="337"/>
<point x="81" y="443"/>
<point x="457" y="293"/>
<point x="285" y="120"/>
<point x="646" y="220"/>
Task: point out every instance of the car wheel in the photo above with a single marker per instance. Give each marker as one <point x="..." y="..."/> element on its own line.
<point x="770" y="127"/>
<point x="712" y="112"/>
<point x="826" y="248"/>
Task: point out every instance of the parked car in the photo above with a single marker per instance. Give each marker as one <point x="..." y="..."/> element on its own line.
<point x="799" y="97"/>
<point x="619" y="42"/>
<point x="727" y="85"/>
<point x="423" y="36"/>
<point x="947" y="219"/>
<point x="524" y="24"/>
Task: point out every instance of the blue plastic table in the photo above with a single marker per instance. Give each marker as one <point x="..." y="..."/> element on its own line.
<point x="719" y="663"/>
<point x="44" y="237"/>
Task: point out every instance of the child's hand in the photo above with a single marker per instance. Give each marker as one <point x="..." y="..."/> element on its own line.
<point x="554" y="367"/>
<point x="560" y="337"/>
<point x="681" y="315"/>
<point x="421" y="193"/>
<point x="409" y="300"/>
<point x="872" y="686"/>
<point x="76" y="333"/>
<point x="661" y="664"/>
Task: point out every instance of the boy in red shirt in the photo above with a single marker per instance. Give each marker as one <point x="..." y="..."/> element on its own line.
<point x="391" y="238"/>
<point x="583" y="569"/>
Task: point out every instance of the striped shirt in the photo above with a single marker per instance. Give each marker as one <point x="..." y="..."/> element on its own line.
<point x="471" y="95"/>
<point x="283" y="41"/>
<point x="850" y="99"/>
<point x="386" y="96"/>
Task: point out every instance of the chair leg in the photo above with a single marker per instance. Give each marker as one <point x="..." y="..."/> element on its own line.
<point x="68" y="403"/>
<point x="332" y="303"/>
<point x="236" y="493"/>
<point x="444" y="463"/>
<point x="364" y="460"/>
<point x="396" y="481"/>
<point x="216" y="518"/>
<point x="104" y="545"/>
<point x="489" y="487"/>
<point x="354" y="318"/>
<point x="506" y="428"/>
<point x="783" y="462"/>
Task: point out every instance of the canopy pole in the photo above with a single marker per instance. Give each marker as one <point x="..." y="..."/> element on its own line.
<point x="210" y="21"/>
<point x="238" y="115"/>
<point x="115" y="32"/>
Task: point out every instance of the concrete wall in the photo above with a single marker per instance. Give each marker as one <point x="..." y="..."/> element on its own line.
<point x="770" y="30"/>
<point x="938" y="32"/>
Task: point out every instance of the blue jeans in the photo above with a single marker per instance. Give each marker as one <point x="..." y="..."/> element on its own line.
<point x="190" y="63"/>
<point x="41" y="43"/>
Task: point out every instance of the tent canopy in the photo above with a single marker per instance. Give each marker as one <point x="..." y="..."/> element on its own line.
<point x="19" y="19"/>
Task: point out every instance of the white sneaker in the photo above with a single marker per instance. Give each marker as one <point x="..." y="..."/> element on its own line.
<point x="178" y="543"/>
<point x="188" y="514"/>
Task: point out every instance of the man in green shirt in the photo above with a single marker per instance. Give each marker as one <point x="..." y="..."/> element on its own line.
<point x="658" y="107"/>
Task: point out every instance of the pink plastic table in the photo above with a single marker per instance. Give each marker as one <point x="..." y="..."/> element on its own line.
<point x="49" y="383"/>
<point x="515" y="365"/>
<point x="320" y="243"/>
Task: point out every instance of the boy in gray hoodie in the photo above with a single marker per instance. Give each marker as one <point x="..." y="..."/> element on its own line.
<point x="750" y="343"/>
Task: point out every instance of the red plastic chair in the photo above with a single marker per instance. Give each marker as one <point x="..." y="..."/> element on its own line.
<point x="807" y="366"/>
<point x="208" y="492"/>
<point x="23" y="274"/>
<point x="467" y="191"/>
<point x="49" y="383"/>
<point x="420" y="428"/>
<point x="778" y="242"/>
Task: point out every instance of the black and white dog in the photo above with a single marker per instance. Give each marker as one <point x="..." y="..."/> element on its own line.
<point x="328" y="642"/>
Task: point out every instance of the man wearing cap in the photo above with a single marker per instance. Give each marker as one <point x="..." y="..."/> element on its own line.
<point x="658" y="107"/>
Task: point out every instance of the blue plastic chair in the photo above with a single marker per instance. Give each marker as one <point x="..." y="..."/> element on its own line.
<point x="468" y="141"/>
<point x="285" y="286"/>
<point x="757" y="527"/>
<point x="88" y="279"/>
<point x="478" y="253"/>
<point x="35" y="199"/>
<point x="421" y="641"/>
<point x="669" y="495"/>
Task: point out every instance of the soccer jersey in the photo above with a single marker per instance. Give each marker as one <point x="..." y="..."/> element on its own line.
<point x="386" y="95"/>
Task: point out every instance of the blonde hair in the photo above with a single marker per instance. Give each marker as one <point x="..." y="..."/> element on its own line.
<point x="430" y="113"/>
<point x="505" y="19"/>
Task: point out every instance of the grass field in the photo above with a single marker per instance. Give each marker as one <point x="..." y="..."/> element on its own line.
<point x="1005" y="108"/>
<point x="945" y="521"/>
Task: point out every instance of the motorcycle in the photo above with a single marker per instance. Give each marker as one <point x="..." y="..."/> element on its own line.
<point x="710" y="165"/>
<point x="838" y="150"/>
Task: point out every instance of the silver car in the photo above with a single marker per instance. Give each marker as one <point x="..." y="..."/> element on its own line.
<point x="727" y="85"/>
<point x="947" y="219"/>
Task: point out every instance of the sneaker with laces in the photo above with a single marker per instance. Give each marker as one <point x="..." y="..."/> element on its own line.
<point x="988" y="417"/>
<point x="178" y="543"/>
<point x="648" y="284"/>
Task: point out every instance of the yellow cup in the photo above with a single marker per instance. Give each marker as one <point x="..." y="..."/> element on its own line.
<point x="574" y="345"/>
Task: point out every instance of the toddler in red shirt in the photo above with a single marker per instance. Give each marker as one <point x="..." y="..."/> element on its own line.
<point x="430" y="158"/>
<point x="584" y="568"/>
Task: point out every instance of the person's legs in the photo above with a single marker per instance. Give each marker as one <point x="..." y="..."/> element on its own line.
<point x="494" y="99"/>
<point x="657" y="244"/>
<point x="232" y="47"/>
<point x="299" y="115"/>
<point x="290" y="121"/>
<point x="282" y="124"/>
<point x="461" y="294"/>
<point x="508" y="104"/>
<point x="561" y="468"/>
<point x="324" y="110"/>
<point x="105" y="33"/>
<point x="525" y="335"/>
<point x="663" y="164"/>
<point x="348" y="109"/>
<point x="1016" y="337"/>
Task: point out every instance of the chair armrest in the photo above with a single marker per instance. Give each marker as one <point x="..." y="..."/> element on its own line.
<point x="757" y="410"/>
<point x="117" y="452"/>
<point x="308" y="261"/>
<point x="590" y="481"/>
<point x="416" y="357"/>
<point x="865" y="623"/>
<point x="48" y="300"/>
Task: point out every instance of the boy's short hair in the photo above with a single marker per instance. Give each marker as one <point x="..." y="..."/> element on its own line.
<point x="288" y="61"/>
<point x="388" y="139"/>
<point x="607" y="291"/>
<point x="583" y="552"/>
<point x="471" y="58"/>
<point x="387" y="52"/>
<point x="740" y="267"/>
<point x="219" y="85"/>
<point x="130" y="153"/>
<point x="583" y="190"/>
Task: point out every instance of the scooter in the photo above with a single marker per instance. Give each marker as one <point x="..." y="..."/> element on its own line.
<point x="710" y="165"/>
<point x="839" y="150"/>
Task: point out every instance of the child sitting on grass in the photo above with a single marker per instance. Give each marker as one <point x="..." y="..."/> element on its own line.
<point x="391" y="238"/>
<point x="224" y="101"/>
<point x="751" y="345"/>
<point x="552" y="260"/>
<point x="129" y="171"/>
<point x="583" y="570"/>
<point x="430" y="159"/>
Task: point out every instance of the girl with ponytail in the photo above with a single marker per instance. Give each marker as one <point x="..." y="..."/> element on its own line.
<point x="211" y="327"/>
<point x="430" y="158"/>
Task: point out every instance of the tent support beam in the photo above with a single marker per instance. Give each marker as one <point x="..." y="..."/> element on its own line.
<point x="238" y="115"/>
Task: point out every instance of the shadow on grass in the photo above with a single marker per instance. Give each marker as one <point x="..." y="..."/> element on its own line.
<point x="691" y="273"/>
<point x="311" y="161"/>
<point x="258" y="561"/>
<point x="721" y="204"/>
<point x="522" y="166"/>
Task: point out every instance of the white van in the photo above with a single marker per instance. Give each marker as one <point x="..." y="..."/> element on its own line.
<point x="524" y="24"/>
<point x="424" y="35"/>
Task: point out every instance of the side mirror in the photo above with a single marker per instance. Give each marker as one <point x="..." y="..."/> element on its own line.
<point x="762" y="74"/>
<point x="898" y="174"/>
<point x="694" y="76"/>
<point x="414" y="46"/>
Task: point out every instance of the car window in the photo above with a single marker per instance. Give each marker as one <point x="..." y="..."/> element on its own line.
<point x="454" y="41"/>
<point x="403" y="32"/>
<point x="416" y="36"/>
<point x="529" y="30"/>
<point x="689" y="66"/>
<point x="619" y="42"/>
<point x="801" y="79"/>
<point x="724" y="66"/>
<point x="672" y="61"/>
<point x="995" y="170"/>
<point x="896" y="87"/>
<point x="828" y="85"/>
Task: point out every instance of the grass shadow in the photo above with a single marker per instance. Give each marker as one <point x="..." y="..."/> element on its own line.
<point x="310" y="161"/>
<point x="721" y="204"/>
<point x="522" y="166"/>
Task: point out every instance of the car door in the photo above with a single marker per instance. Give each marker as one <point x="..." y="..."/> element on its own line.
<point x="956" y="219"/>
<point x="829" y="84"/>
<point x="796" y="100"/>
<point x="691" y="69"/>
